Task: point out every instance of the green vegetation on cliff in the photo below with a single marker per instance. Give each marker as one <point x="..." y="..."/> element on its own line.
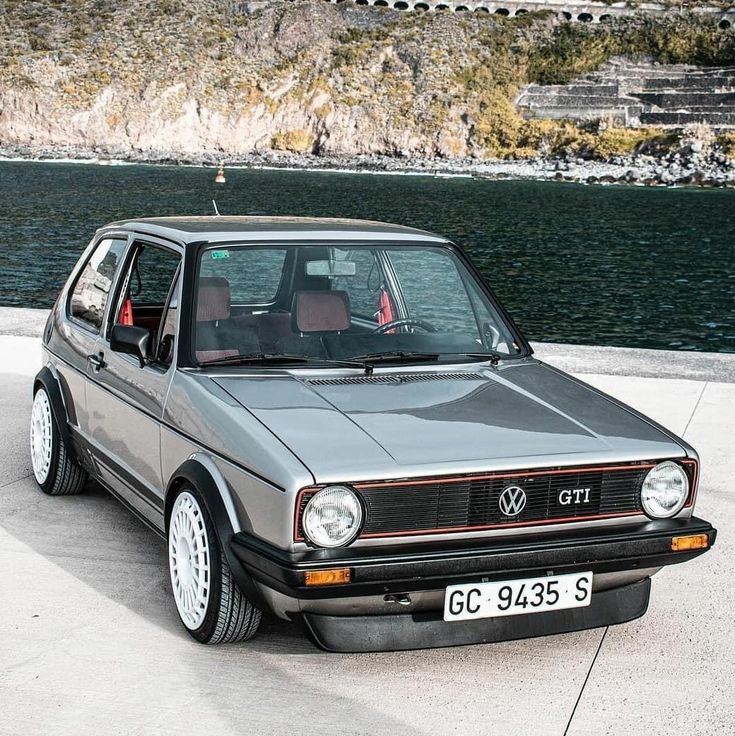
<point x="309" y="76"/>
<point x="578" y="48"/>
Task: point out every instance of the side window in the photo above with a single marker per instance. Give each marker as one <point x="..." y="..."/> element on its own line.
<point x="253" y="274"/>
<point x="92" y="289"/>
<point x="151" y="276"/>
<point x="364" y="287"/>
<point x="144" y="296"/>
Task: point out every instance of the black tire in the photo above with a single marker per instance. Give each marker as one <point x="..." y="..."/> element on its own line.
<point x="229" y="616"/>
<point x="65" y="476"/>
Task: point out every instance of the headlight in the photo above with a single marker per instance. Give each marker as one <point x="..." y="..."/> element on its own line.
<point x="665" y="490"/>
<point x="332" y="517"/>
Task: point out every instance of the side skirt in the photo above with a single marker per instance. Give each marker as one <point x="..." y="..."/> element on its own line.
<point x="131" y="508"/>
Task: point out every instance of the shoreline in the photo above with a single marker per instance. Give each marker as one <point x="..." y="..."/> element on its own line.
<point x="684" y="168"/>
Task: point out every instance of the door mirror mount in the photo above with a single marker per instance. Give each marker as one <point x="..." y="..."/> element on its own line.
<point x="131" y="340"/>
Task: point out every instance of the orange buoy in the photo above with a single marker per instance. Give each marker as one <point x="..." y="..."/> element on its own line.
<point x="220" y="178"/>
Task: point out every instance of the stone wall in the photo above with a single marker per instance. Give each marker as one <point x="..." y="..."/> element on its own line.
<point x="571" y="10"/>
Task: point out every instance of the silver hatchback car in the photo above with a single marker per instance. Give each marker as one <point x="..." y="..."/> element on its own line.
<point x="336" y="422"/>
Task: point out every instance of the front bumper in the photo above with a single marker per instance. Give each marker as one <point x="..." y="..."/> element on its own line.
<point x="392" y="569"/>
<point x="627" y="556"/>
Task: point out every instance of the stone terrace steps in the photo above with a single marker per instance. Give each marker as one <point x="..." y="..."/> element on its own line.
<point x="691" y="84"/>
<point x="671" y="96"/>
<point x="680" y="119"/>
<point x="678" y="99"/>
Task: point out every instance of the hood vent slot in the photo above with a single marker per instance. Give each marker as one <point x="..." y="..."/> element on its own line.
<point x="394" y="378"/>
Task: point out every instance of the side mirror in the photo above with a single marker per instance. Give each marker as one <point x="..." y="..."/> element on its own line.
<point x="131" y="340"/>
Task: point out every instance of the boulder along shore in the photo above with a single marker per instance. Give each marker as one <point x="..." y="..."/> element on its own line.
<point x="686" y="167"/>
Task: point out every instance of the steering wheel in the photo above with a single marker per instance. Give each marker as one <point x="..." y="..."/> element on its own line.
<point x="382" y="329"/>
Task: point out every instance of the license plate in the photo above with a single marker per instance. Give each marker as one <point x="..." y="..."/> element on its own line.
<point x="513" y="597"/>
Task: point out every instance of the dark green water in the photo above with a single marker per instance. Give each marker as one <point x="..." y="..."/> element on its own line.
<point x="650" y="268"/>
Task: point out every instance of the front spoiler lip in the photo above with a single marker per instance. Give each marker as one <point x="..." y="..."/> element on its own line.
<point x="378" y="571"/>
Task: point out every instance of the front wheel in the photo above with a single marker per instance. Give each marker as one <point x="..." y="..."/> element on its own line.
<point x="56" y="471"/>
<point x="210" y="605"/>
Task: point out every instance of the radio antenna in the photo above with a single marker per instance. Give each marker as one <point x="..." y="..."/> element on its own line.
<point x="216" y="211"/>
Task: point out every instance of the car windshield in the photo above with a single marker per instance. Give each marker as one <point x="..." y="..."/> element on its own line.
<point x="376" y="303"/>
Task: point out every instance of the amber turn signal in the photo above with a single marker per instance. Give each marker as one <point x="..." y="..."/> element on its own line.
<point x="693" y="541"/>
<point x="327" y="577"/>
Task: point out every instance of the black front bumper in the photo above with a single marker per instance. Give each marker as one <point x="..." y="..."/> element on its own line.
<point x="426" y="630"/>
<point x="398" y="569"/>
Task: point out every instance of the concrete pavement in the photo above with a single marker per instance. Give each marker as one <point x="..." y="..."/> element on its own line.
<point x="90" y="642"/>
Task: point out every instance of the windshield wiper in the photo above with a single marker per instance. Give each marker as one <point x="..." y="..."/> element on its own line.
<point x="494" y="358"/>
<point x="282" y="359"/>
<point x="396" y="356"/>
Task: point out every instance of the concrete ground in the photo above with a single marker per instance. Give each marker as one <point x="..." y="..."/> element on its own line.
<point x="90" y="642"/>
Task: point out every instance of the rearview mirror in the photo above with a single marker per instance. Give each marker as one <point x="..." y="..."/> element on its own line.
<point x="330" y="268"/>
<point x="130" y="340"/>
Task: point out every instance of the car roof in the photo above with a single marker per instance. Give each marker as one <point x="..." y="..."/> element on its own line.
<point x="224" y="228"/>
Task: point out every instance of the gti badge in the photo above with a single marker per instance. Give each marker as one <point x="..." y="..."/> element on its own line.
<point x="512" y="501"/>
<point x="575" y="496"/>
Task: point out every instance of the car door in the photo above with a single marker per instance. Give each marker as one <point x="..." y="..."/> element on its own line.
<point x="87" y="302"/>
<point x="126" y="400"/>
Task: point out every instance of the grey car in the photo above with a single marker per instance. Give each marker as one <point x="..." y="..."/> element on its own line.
<point x="336" y="422"/>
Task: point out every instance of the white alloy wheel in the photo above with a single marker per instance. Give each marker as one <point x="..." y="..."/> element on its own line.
<point x="42" y="429"/>
<point x="189" y="560"/>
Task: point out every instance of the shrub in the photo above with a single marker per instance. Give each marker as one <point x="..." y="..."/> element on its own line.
<point x="296" y="141"/>
<point x="726" y="143"/>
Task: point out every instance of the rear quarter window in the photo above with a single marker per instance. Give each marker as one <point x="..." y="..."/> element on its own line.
<point x="92" y="288"/>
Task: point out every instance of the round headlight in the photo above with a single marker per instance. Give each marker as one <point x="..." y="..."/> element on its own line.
<point x="665" y="490"/>
<point x="332" y="517"/>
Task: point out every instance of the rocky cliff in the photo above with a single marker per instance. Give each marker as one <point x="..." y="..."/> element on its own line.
<point x="193" y="78"/>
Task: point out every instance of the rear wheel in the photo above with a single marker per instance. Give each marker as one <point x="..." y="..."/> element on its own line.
<point x="55" y="469"/>
<point x="210" y="605"/>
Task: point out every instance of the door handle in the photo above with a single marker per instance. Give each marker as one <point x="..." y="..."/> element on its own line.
<point x="96" y="360"/>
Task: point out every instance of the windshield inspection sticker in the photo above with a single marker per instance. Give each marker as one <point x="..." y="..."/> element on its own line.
<point x="217" y="254"/>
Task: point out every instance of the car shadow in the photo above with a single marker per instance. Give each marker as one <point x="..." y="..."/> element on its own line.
<point x="119" y="557"/>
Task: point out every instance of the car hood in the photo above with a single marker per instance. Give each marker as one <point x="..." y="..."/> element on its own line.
<point x="409" y="423"/>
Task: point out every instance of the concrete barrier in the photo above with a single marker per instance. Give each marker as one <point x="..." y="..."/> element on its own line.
<point x="583" y="359"/>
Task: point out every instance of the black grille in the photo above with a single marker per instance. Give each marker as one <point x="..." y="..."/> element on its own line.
<point x="475" y="502"/>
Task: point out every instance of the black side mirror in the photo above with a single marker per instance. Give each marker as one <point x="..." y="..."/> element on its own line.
<point x="131" y="340"/>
